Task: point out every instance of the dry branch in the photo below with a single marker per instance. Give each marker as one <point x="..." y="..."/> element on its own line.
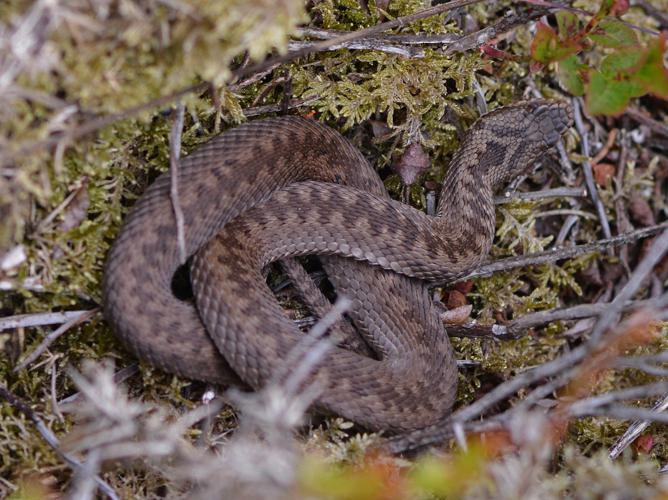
<point x="587" y="169"/>
<point x="557" y="254"/>
<point x="174" y="155"/>
<point x="53" y="336"/>
<point x="39" y="319"/>
<point x="51" y="439"/>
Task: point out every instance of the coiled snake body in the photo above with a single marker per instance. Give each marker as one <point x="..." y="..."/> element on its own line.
<point x="289" y="186"/>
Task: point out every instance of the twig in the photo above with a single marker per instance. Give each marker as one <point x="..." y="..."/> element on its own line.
<point x="355" y="35"/>
<point x="119" y="377"/>
<point x="404" y="45"/>
<point x="655" y="253"/>
<point x="587" y="169"/>
<point x="54" y="398"/>
<point x="516" y="328"/>
<point x="51" y="439"/>
<point x="623" y="224"/>
<point x="314" y="335"/>
<point x="39" y="319"/>
<point x="51" y="337"/>
<point x="624" y="413"/>
<point x="276" y="108"/>
<point x="563" y="192"/>
<point x="174" y="154"/>
<point x="489" y="33"/>
<point x="562" y="253"/>
<point x="605" y="149"/>
<point x="594" y="343"/>
<point x="409" y="52"/>
<point x="648" y="363"/>
<point x="610" y="397"/>
<point x="635" y="429"/>
<point x="652" y="124"/>
<point x="323" y="34"/>
<point x="565" y="211"/>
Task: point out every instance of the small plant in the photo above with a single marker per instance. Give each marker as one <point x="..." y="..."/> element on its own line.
<point x="625" y="66"/>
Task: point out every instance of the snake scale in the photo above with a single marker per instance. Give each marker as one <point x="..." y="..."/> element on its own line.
<point x="285" y="187"/>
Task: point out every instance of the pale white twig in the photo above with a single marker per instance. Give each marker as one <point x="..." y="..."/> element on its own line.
<point x="39" y="319"/>
<point x="635" y="429"/>
<point x="51" y="337"/>
<point x="174" y="154"/>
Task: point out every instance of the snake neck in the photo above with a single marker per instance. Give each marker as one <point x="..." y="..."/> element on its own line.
<point x="466" y="211"/>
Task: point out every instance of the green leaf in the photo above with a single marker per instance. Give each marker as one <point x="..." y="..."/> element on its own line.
<point x="652" y="73"/>
<point x="612" y="8"/>
<point x="568" y="24"/>
<point x="568" y="72"/>
<point x="614" y="34"/>
<point x="620" y="66"/>
<point x="621" y="62"/>
<point x="546" y="46"/>
<point x="607" y="96"/>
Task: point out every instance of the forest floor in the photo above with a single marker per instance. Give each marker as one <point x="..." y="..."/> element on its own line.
<point x="561" y="336"/>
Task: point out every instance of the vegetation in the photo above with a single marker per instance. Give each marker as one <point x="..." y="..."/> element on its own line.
<point x="87" y="88"/>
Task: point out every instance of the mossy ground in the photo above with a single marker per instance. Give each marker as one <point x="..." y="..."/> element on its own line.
<point x="101" y="58"/>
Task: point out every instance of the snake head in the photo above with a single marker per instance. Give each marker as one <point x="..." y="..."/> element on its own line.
<point x="547" y="120"/>
<point x="510" y="139"/>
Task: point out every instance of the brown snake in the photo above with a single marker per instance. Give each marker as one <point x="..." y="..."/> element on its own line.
<point x="284" y="187"/>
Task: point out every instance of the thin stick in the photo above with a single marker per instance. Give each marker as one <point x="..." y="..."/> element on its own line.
<point x="355" y="35"/>
<point x="174" y="154"/>
<point x="652" y="11"/>
<point x="653" y="125"/>
<point x="405" y="45"/>
<point x="624" y="413"/>
<point x="51" y="337"/>
<point x="587" y="169"/>
<point x="605" y="149"/>
<point x="635" y="429"/>
<point x="562" y="192"/>
<point x="39" y="319"/>
<point x="52" y="440"/>
<point x="515" y="328"/>
<point x="562" y="253"/>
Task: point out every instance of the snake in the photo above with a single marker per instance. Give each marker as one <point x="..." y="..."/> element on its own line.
<point x="279" y="188"/>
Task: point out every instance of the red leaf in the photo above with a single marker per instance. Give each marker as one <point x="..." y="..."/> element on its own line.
<point x="644" y="443"/>
<point x="455" y="299"/>
<point x="603" y="172"/>
<point x="546" y="46"/>
<point x="491" y="51"/>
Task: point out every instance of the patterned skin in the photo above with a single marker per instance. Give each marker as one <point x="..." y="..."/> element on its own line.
<point x="285" y="187"/>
